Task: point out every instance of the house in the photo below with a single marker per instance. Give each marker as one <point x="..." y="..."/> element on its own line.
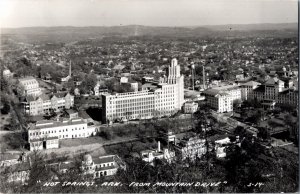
<point x="190" y="107"/>
<point x="99" y="91"/>
<point x="191" y="147"/>
<point x="101" y="166"/>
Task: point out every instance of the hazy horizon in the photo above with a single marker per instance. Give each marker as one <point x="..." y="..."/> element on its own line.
<point x="147" y="25"/>
<point x="155" y="13"/>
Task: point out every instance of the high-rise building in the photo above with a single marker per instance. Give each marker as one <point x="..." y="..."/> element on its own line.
<point x="162" y="98"/>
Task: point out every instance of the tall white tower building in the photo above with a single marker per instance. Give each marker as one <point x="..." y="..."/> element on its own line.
<point x="174" y="78"/>
<point x="165" y="98"/>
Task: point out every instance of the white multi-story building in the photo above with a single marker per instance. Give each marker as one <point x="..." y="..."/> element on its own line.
<point x="38" y="105"/>
<point x="30" y="86"/>
<point x="274" y="90"/>
<point x="165" y="98"/>
<point x="221" y="98"/>
<point x="45" y="134"/>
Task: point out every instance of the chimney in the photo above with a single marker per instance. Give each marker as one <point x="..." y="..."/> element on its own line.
<point x="166" y="153"/>
<point x="29" y="159"/>
<point x="158" y="146"/>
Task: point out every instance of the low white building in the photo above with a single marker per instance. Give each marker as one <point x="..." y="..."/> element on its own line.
<point x="45" y="134"/>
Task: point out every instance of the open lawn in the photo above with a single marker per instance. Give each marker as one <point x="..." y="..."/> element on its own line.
<point x="80" y="141"/>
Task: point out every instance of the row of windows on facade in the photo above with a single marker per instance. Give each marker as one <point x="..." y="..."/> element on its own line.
<point x="139" y="109"/>
<point x="166" y="106"/>
<point x="140" y="99"/>
<point x="149" y="113"/>
<point x="99" y="166"/>
<point x="120" y="104"/>
<point x="73" y="136"/>
<point x="47" y="132"/>
<point x="50" y="102"/>
<point x="44" y="108"/>
<point x="133" y="106"/>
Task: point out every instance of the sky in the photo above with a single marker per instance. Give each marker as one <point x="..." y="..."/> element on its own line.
<point x="28" y="13"/>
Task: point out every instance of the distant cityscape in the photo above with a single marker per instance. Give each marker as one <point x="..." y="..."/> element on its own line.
<point x="134" y="109"/>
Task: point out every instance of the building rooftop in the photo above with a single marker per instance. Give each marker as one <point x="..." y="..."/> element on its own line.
<point x="215" y="92"/>
<point x="71" y="111"/>
<point x="251" y="83"/>
<point x="273" y="81"/>
<point x="59" y="95"/>
<point x="29" y="78"/>
<point x="104" y="159"/>
<point x="226" y="87"/>
<point x="260" y="88"/>
<point x="50" y="124"/>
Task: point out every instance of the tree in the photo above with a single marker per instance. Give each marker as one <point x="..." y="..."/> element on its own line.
<point x="236" y="103"/>
<point x="88" y="83"/>
<point x="6" y="108"/>
<point x="263" y="133"/>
